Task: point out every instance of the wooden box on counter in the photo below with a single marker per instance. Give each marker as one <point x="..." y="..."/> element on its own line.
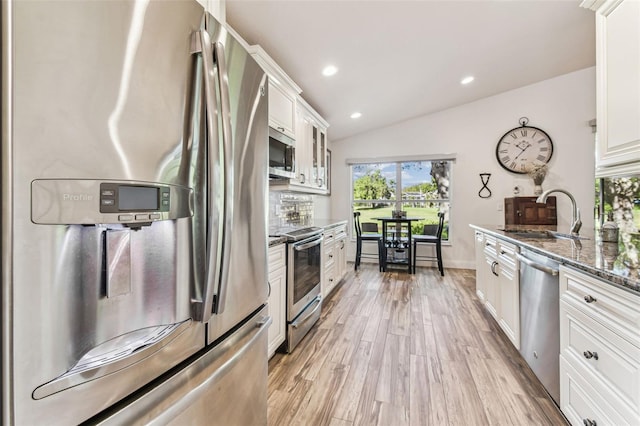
<point x="525" y="211"/>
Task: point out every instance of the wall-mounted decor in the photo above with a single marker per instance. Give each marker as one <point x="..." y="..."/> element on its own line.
<point x="523" y="148"/>
<point x="484" y="192"/>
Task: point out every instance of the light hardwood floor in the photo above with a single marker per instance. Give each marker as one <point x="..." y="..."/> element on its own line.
<point x="398" y="349"/>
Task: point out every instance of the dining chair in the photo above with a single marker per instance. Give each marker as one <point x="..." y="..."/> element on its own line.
<point x="431" y="234"/>
<point x="368" y="231"/>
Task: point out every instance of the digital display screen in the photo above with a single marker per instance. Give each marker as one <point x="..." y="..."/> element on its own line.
<point x="137" y="198"/>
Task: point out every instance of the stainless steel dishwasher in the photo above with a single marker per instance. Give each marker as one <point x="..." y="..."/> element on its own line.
<point x="540" y="318"/>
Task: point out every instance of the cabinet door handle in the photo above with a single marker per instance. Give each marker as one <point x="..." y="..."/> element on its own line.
<point x="589" y="299"/>
<point x="493" y="268"/>
<point x="302" y="177"/>
<point x="589" y="355"/>
<point x="281" y="129"/>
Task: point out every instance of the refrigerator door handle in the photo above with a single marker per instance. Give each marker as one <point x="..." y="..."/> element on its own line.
<point x="215" y="203"/>
<point x="229" y="173"/>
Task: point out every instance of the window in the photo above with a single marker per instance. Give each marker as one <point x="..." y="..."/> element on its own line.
<point x="421" y="188"/>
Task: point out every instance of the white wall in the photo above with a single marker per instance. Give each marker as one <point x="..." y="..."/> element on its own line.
<point x="322" y="208"/>
<point x="561" y="106"/>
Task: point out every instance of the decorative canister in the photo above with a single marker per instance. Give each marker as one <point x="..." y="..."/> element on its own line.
<point x="609" y="232"/>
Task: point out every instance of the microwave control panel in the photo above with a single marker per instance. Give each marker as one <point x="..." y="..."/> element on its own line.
<point x="92" y="202"/>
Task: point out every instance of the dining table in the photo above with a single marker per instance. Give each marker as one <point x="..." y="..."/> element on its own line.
<point x="396" y="241"/>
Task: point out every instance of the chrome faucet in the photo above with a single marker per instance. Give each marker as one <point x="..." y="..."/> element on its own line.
<point x="576" y="223"/>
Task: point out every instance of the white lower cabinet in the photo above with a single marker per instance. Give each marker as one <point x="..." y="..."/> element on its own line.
<point x="480" y="270"/>
<point x="509" y="292"/>
<point x="599" y="351"/>
<point x="498" y="283"/>
<point x="277" y="297"/>
<point x="334" y="258"/>
<point x="490" y="276"/>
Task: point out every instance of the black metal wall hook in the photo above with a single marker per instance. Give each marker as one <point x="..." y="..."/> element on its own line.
<point x="484" y="192"/>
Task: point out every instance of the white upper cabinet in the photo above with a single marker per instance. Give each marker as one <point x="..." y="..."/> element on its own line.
<point x="282" y="93"/>
<point x="282" y="110"/>
<point x="618" y="87"/>
<point x="311" y="149"/>
<point x="290" y="114"/>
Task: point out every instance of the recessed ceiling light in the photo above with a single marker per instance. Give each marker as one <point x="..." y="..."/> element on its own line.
<point x="466" y="80"/>
<point x="356" y="115"/>
<point x="329" y="70"/>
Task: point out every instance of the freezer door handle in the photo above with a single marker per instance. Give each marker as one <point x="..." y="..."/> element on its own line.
<point x="215" y="199"/>
<point x="184" y="403"/>
<point x="228" y="172"/>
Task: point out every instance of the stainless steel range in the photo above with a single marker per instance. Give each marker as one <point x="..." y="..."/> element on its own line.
<point x="304" y="301"/>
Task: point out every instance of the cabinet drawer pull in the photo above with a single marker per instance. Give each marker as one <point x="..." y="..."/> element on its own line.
<point x="589" y="299"/>
<point x="493" y="268"/>
<point x="589" y="355"/>
<point x="589" y="422"/>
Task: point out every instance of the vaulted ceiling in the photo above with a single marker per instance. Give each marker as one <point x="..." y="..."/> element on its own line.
<point x="402" y="59"/>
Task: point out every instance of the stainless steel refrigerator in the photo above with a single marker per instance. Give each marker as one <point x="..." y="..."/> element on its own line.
<point x="134" y="185"/>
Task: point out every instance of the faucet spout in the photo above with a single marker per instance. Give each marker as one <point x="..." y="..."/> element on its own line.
<point x="576" y="223"/>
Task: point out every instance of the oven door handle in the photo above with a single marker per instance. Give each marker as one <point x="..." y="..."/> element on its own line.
<point x="297" y="323"/>
<point x="307" y="245"/>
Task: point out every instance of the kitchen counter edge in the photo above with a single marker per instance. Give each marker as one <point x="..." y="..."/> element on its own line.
<point x="327" y="224"/>
<point x="587" y="259"/>
<point x="274" y="241"/>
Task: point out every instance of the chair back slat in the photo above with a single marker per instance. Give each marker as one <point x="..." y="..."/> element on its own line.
<point x="435" y="230"/>
<point x="370" y="227"/>
<point x="356" y="222"/>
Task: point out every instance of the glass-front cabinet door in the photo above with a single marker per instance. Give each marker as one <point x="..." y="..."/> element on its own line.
<point x="314" y="148"/>
<point x="322" y="154"/>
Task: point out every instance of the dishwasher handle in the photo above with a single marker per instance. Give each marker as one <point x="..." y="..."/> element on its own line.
<point x="535" y="265"/>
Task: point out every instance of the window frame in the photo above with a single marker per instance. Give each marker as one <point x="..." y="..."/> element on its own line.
<point x="397" y="203"/>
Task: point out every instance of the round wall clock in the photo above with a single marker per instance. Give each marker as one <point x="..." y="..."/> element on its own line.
<point x="523" y="148"/>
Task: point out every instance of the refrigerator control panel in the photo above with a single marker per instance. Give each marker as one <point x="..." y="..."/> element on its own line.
<point x="91" y="202"/>
<point x="119" y="198"/>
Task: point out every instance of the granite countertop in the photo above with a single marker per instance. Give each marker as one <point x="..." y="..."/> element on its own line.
<point x="614" y="262"/>
<point x="329" y="223"/>
<point x="274" y="241"/>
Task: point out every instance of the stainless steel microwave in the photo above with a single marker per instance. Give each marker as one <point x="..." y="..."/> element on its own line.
<point x="281" y="155"/>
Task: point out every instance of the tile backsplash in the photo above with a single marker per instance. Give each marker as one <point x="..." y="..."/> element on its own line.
<point x="287" y="208"/>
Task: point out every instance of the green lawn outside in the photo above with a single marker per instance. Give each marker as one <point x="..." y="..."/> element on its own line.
<point x="430" y="215"/>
